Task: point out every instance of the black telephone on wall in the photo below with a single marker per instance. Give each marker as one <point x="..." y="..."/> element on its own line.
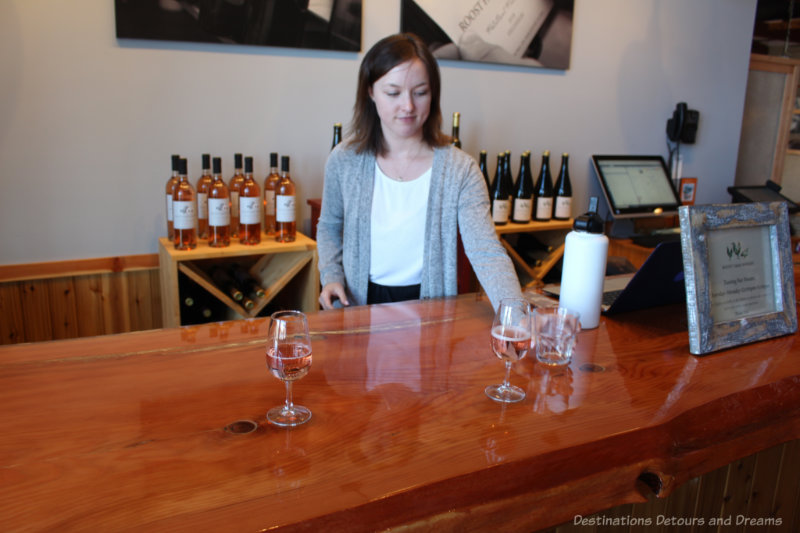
<point x="682" y="127"/>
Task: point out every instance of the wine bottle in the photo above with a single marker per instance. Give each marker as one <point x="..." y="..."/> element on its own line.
<point x="523" y="195"/>
<point x="172" y="182"/>
<point x="184" y="209"/>
<point x="246" y="282"/>
<point x="270" y="184"/>
<point x="484" y="170"/>
<point x="195" y="307"/>
<point x="203" y="184"/>
<point x="194" y="312"/>
<point x="563" y="191"/>
<point x="249" y="207"/>
<point x="337" y="134"/>
<point x="225" y="282"/>
<point x="456" y="141"/>
<point x="543" y="209"/>
<point x="219" y="209"/>
<point x="500" y="202"/>
<point x="285" y="227"/>
<point x="234" y="186"/>
<point x="508" y="177"/>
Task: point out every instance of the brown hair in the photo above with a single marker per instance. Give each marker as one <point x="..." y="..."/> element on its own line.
<point x="366" y="133"/>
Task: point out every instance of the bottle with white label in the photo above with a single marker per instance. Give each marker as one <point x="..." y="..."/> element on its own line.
<point x="523" y="195"/>
<point x="184" y="212"/>
<point x="172" y="182"/>
<point x="203" y="184"/>
<point x="562" y="210"/>
<point x="584" y="267"/>
<point x="250" y="207"/>
<point x="234" y="186"/>
<point x="219" y="210"/>
<point x="270" y="184"/>
<point x="543" y="209"/>
<point x="501" y="205"/>
<point x="285" y="226"/>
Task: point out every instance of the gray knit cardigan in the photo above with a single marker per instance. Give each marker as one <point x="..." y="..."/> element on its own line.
<point x="458" y="199"/>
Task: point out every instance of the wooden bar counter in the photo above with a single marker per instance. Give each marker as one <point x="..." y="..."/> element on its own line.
<point x="133" y="432"/>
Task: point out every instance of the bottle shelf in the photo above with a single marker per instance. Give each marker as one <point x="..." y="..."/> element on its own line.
<point x="551" y="233"/>
<point x="286" y="271"/>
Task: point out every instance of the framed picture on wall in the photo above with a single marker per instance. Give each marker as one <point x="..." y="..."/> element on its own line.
<point x="316" y="24"/>
<point x="535" y="33"/>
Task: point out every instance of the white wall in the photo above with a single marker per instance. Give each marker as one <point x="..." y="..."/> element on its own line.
<point x="87" y="124"/>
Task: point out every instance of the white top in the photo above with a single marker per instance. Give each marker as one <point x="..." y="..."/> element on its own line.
<point x="398" y="224"/>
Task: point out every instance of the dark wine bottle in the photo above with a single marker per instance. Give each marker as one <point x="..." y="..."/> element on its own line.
<point x="246" y="282"/>
<point x="337" y="134"/>
<point x="195" y="313"/>
<point x="196" y="306"/>
<point x="225" y="283"/>
<point x="485" y="170"/>
<point x="500" y="194"/>
<point x="523" y="194"/>
<point x="563" y="191"/>
<point x="508" y="177"/>
<point x="543" y="209"/>
<point x="456" y="141"/>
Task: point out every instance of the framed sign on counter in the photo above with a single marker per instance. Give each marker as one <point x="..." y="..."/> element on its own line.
<point x="737" y="265"/>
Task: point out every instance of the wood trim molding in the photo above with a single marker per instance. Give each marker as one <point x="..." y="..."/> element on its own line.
<point x="77" y="267"/>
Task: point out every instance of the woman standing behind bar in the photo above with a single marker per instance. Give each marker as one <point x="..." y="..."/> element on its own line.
<point x="396" y="193"/>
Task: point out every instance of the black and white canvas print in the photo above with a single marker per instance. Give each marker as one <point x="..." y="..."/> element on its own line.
<point x="535" y="33"/>
<point x="316" y="24"/>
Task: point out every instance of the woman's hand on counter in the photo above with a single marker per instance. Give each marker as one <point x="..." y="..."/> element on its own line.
<point x="331" y="292"/>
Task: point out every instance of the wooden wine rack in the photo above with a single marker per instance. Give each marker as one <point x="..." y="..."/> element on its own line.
<point x="280" y="268"/>
<point x="552" y="231"/>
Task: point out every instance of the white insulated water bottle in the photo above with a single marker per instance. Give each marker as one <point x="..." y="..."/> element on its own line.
<point x="584" y="267"/>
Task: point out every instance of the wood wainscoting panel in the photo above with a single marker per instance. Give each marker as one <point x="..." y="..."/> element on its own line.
<point x="145" y="300"/>
<point x="762" y="486"/>
<point x="11" y="321"/>
<point x="63" y="308"/>
<point x="113" y="295"/>
<point x="36" y="310"/>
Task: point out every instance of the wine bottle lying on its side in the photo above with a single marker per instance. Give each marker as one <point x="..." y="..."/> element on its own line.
<point x="197" y="306"/>
<point x="225" y="283"/>
<point x="246" y="282"/>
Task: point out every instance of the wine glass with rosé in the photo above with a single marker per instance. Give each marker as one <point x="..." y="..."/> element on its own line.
<point x="288" y="359"/>
<point x="511" y="341"/>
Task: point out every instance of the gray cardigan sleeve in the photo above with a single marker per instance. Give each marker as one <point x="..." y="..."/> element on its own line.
<point x="331" y="223"/>
<point x="343" y="228"/>
<point x="488" y="258"/>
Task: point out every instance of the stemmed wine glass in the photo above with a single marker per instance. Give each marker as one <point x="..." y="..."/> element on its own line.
<point x="511" y="340"/>
<point x="288" y="359"/>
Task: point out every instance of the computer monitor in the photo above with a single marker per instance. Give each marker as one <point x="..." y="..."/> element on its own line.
<point x="636" y="186"/>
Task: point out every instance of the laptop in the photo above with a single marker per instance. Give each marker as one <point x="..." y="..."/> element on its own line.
<point x="659" y="281"/>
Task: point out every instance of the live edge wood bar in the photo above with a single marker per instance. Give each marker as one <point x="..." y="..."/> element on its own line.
<point x="137" y="432"/>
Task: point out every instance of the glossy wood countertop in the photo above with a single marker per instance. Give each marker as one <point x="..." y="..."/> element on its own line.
<point x="127" y="432"/>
